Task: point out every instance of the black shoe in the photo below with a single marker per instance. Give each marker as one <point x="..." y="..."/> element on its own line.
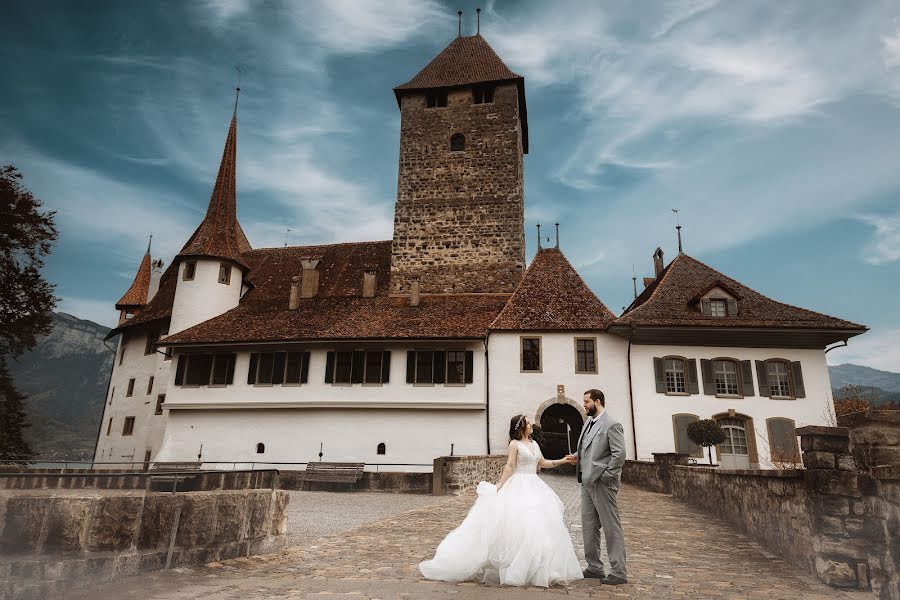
<point x="613" y="580"/>
<point x="588" y="574"/>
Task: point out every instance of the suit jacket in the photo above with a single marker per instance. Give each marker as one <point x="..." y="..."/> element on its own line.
<point x="601" y="454"/>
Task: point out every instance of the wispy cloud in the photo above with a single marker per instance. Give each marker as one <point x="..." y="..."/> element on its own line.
<point x="885" y="244"/>
<point x="876" y="349"/>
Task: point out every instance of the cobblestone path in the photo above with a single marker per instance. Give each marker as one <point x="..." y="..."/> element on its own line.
<point x="674" y="551"/>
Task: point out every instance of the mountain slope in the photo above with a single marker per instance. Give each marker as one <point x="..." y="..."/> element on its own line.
<point x="849" y="374"/>
<point x="64" y="379"/>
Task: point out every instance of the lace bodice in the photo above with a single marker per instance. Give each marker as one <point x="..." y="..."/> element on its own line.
<point x="527" y="457"/>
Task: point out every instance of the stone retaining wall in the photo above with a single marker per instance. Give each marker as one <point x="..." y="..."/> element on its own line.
<point x="52" y="540"/>
<point x="454" y="475"/>
<point x="655" y="476"/>
<point x="378" y="481"/>
<point x="187" y="481"/>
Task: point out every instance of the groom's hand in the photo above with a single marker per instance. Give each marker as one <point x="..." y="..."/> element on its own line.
<point x="571" y="459"/>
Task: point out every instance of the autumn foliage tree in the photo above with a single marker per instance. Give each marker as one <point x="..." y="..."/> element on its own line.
<point x="26" y="299"/>
<point x="851" y="399"/>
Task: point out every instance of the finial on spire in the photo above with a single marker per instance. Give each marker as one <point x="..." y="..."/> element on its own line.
<point x="539" y="236"/>
<point x="678" y="229"/>
<point x="459" y="23"/>
<point x="557" y="236"/>
<point x="478" y="21"/>
<point x="150" y="241"/>
<point x="634" y="279"/>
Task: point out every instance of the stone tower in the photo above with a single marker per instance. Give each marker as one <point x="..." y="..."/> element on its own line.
<point x="459" y="218"/>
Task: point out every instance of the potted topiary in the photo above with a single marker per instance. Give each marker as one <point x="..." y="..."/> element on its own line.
<point x="706" y="433"/>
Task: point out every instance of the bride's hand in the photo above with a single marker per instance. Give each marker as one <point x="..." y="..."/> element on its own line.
<point x="570" y="459"/>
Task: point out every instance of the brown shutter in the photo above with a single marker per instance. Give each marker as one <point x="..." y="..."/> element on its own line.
<point x="693" y="386"/>
<point x="278" y="368"/>
<point x="179" y="370"/>
<point x="762" y="378"/>
<point x="470" y="360"/>
<point x="304" y="367"/>
<point x="683" y="443"/>
<point x="797" y="380"/>
<point x="329" y="367"/>
<point x="359" y="366"/>
<point x="229" y="377"/>
<point x="705" y="307"/>
<point x="747" y="377"/>
<point x="251" y="372"/>
<point x="385" y="366"/>
<point x="410" y="366"/>
<point x="659" y="369"/>
<point x="440" y="366"/>
<point x="731" y="308"/>
<point x="709" y="383"/>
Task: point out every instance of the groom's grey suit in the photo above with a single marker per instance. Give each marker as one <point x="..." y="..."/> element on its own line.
<point x="601" y="455"/>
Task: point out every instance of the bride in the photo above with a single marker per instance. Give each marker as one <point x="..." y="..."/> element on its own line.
<point x="514" y="534"/>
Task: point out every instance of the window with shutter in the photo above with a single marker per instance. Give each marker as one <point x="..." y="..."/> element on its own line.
<point x="278" y="368"/>
<point x="456" y="366"/>
<point x="251" y="371"/>
<point x="179" y="369"/>
<point x="779" y="379"/>
<point x="198" y="369"/>
<point x="373" y="366"/>
<point x="425" y="366"/>
<point x="292" y="368"/>
<point x="683" y="444"/>
<point x="674" y="375"/>
<point x="304" y="369"/>
<point x="220" y="369"/>
<point x="726" y="378"/>
<point x="747" y="378"/>
<point x="266" y="364"/>
<point x="410" y="366"/>
<point x="706" y="373"/>
<point x="470" y="365"/>
<point x="440" y="366"/>
<point x="343" y="367"/>
<point x="329" y="367"/>
<point x="783" y="440"/>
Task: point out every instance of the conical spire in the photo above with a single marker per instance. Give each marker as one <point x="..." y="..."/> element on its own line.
<point x="136" y="296"/>
<point x="219" y="235"/>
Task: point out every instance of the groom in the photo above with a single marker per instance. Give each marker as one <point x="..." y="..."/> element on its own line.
<point x="600" y="455"/>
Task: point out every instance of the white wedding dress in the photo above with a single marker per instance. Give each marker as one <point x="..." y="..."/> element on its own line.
<point x="514" y="536"/>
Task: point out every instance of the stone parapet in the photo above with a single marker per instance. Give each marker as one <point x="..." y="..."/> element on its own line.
<point x="655" y="476"/>
<point x="52" y="540"/>
<point x="454" y="475"/>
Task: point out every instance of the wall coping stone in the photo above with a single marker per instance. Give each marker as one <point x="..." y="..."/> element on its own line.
<point x="822" y="430"/>
<point x="868" y="417"/>
<point x="770" y="473"/>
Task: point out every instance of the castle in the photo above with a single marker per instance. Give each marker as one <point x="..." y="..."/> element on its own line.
<point x="396" y="352"/>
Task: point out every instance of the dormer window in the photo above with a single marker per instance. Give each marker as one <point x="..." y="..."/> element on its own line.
<point x="190" y="268"/>
<point x="457" y="142"/>
<point x="718" y="303"/>
<point x="225" y="273"/>
<point x="483" y="94"/>
<point x="717" y="307"/>
<point x="436" y="99"/>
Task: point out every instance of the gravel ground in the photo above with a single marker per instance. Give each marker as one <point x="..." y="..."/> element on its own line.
<point x="312" y="515"/>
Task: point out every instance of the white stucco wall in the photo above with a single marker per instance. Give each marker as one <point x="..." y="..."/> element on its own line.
<point x="339" y="415"/>
<point x="203" y="297"/>
<point x="514" y="392"/>
<point x="653" y="411"/>
<point x="148" y="427"/>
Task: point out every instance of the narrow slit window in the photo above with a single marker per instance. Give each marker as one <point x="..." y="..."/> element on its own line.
<point x="457" y="142"/>
<point x="225" y="273"/>
<point x="190" y="269"/>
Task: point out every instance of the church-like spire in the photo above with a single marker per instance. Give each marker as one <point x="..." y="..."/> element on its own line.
<point x="219" y="235"/>
<point x="136" y="296"/>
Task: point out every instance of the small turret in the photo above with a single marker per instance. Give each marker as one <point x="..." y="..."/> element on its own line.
<point x="137" y="296"/>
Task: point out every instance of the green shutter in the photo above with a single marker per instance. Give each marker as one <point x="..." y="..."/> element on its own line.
<point x="709" y="383"/>
<point x="278" y="368"/>
<point x="762" y="378"/>
<point x="179" y="370"/>
<point x="706" y="307"/>
<point x="304" y="368"/>
<point x="747" y="377"/>
<point x="470" y="363"/>
<point x="251" y="372"/>
<point x="410" y="366"/>
<point x="440" y="366"/>
<point x="329" y="367"/>
<point x="731" y="308"/>
<point x="229" y="377"/>
<point x="659" y="370"/>
<point x="359" y="366"/>
<point x="693" y="386"/>
<point x="385" y="366"/>
<point x="797" y="380"/>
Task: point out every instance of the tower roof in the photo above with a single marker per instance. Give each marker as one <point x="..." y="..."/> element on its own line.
<point x="468" y="60"/>
<point x="219" y="235"/>
<point x="552" y="296"/>
<point x="137" y="293"/>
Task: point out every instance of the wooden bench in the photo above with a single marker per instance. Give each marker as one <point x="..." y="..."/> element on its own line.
<point x="321" y="475"/>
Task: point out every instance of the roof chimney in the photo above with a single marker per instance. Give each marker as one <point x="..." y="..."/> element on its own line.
<point x="368" y="290"/>
<point x="414" y="292"/>
<point x="156" y="269"/>
<point x="658" y="264"/>
<point x="294" y="302"/>
<point x="309" y="285"/>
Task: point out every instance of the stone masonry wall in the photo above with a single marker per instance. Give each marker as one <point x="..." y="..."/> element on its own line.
<point x="655" y="476"/>
<point x="454" y="475"/>
<point x="459" y="217"/>
<point x="52" y="540"/>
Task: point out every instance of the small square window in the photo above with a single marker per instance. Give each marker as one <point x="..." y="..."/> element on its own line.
<point x="128" y="426"/>
<point x="190" y="269"/>
<point x="718" y="307"/>
<point x="225" y="273"/>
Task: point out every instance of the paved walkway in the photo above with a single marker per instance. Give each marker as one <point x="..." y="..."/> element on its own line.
<point x="674" y="551"/>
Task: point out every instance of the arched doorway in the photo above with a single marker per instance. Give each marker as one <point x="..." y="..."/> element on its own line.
<point x="735" y="452"/>
<point x="560" y="428"/>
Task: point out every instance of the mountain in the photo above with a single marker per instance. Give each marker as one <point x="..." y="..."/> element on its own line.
<point x="64" y="379"/>
<point x="882" y="386"/>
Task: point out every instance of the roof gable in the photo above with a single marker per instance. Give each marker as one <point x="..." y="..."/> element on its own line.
<point x="140" y="287"/>
<point x="552" y="296"/>
<point x="672" y="300"/>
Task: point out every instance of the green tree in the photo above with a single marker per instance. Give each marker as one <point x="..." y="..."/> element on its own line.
<point x="706" y="433"/>
<point x="26" y="299"/>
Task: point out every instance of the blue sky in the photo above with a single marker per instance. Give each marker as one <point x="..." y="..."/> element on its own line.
<point x="773" y="127"/>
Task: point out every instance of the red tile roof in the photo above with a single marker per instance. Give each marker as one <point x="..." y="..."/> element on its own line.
<point x="339" y="311"/>
<point x="137" y="293"/>
<point x="671" y="300"/>
<point x="467" y="60"/>
<point x="159" y="307"/>
<point x="552" y="296"/>
<point x="219" y="235"/>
